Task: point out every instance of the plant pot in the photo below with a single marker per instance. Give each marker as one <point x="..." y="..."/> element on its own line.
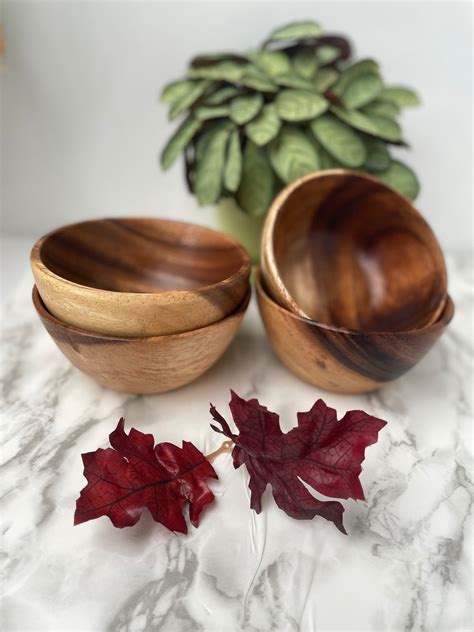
<point x="246" y="228"/>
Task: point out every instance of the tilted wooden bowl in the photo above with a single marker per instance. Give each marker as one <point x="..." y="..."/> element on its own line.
<point x="153" y="364"/>
<point x="342" y="360"/>
<point x="139" y="277"/>
<point x="342" y="248"/>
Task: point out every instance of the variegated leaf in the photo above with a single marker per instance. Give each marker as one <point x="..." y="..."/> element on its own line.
<point x="210" y="166"/>
<point x="342" y="142"/>
<point x="244" y="109"/>
<point x="179" y="141"/>
<point x="255" y="192"/>
<point x="300" y="105"/>
<point x="233" y="165"/>
<point x="296" y="31"/>
<point x="362" y="90"/>
<point x="265" y="127"/>
<point x="293" y="154"/>
<point x="401" y="178"/>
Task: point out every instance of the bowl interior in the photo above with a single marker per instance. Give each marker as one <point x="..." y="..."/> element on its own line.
<point x="353" y="253"/>
<point x="141" y="255"/>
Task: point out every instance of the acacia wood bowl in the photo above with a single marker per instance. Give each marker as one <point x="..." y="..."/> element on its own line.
<point x="342" y="248"/>
<point x="342" y="360"/>
<point x="139" y="277"/>
<point x="147" y="365"/>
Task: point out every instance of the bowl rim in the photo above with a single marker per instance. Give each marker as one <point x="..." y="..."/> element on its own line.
<point x="45" y="314"/>
<point x="36" y="260"/>
<point x="268" y="256"/>
<point x="443" y="320"/>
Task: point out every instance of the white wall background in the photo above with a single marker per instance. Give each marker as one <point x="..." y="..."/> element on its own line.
<point x="82" y="125"/>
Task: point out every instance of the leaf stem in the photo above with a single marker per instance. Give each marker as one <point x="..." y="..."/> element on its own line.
<point x="226" y="446"/>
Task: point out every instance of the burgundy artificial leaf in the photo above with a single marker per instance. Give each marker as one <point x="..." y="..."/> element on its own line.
<point x="136" y="474"/>
<point x="321" y="451"/>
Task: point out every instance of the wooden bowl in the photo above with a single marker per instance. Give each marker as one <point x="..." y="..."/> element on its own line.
<point x="342" y="248"/>
<point x="143" y="365"/>
<point x="139" y="277"/>
<point x="342" y="360"/>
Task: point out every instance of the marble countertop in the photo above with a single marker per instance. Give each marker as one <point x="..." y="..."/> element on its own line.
<point x="406" y="564"/>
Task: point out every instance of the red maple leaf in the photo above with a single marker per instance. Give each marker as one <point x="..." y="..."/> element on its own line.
<point x="321" y="451"/>
<point x="137" y="474"/>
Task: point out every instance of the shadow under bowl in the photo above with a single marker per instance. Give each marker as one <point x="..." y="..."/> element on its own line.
<point x="342" y="248"/>
<point x="342" y="360"/>
<point x="139" y="277"/>
<point x="148" y="365"/>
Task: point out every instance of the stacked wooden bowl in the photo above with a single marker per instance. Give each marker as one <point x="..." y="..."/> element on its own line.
<point x="353" y="286"/>
<point x="140" y="305"/>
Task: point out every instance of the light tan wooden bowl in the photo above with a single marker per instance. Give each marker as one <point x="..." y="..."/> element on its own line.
<point x="153" y="364"/>
<point x="342" y="360"/>
<point x="139" y="277"/>
<point x="342" y="248"/>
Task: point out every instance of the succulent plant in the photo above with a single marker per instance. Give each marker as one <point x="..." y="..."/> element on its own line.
<point x="256" y="121"/>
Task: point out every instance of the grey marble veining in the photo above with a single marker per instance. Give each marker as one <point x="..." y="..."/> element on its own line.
<point x="406" y="565"/>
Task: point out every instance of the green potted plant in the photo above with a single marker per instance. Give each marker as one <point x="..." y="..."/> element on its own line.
<point x="255" y="121"/>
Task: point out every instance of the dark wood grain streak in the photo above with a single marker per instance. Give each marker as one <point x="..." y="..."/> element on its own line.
<point x="140" y="255"/>
<point x="343" y="249"/>
<point x="343" y="360"/>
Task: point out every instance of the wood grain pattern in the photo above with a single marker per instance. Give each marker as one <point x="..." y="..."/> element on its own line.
<point x="139" y="277"/>
<point x="342" y="360"/>
<point x="143" y="365"/>
<point x="342" y="248"/>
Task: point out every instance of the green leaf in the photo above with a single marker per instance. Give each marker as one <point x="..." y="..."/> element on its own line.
<point x="300" y="105"/>
<point x="189" y="98"/>
<point x="210" y="166"/>
<point x="401" y="178"/>
<point x="176" y="90"/>
<point x="204" y="113"/>
<point x="362" y="90"/>
<point x="327" y="54"/>
<point x="378" y="157"/>
<point x="296" y="31"/>
<point x="273" y="63"/>
<point x="221" y="95"/>
<point x="339" y="140"/>
<point x="212" y="58"/>
<point x="233" y="165"/>
<point x="221" y="71"/>
<point x="179" y="141"/>
<point x="265" y="127"/>
<point x="327" y="161"/>
<point x="257" y="80"/>
<point x="356" y="70"/>
<point x="305" y="62"/>
<point x="255" y="192"/>
<point x="292" y="80"/>
<point x="244" y="109"/>
<point x="387" y="128"/>
<point x="378" y="126"/>
<point x="382" y="108"/>
<point x="355" y="119"/>
<point x="325" y="78"/>
<point x="403" y="97"/>
<point x="292" y="154"/>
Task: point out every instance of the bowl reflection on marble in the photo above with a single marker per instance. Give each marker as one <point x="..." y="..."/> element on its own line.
<point x="343" y="360"/>
<point x="153" y="364"/>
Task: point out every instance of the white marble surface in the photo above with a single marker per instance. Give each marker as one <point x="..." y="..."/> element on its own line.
<point x="405" y="566"/>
